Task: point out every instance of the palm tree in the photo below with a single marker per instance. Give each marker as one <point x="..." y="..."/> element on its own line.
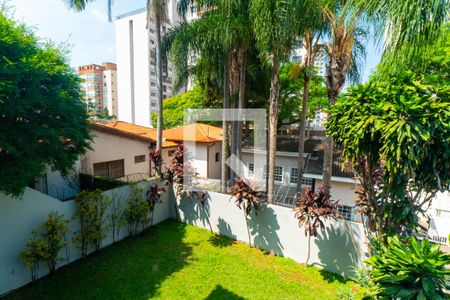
<point x="345" y="52"/>
<point x="311" y="43"/>
<point x="407" y="26"/>
<point x="157" y="12"/>
<point x="275" y="26"/>
<point x="221" y="37"/>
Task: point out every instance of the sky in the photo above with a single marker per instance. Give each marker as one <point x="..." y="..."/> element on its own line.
<point x="89" y="34"/>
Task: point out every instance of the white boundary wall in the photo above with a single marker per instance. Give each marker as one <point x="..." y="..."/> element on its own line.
<point x="19" y="216"/>
<point x="341" y="248"/>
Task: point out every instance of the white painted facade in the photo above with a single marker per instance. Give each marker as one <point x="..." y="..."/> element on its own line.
<point x="439" y="214"/>
<point x="110" y="91"/>
<point x="136" y="66"/>
<point x="205" y="159"/>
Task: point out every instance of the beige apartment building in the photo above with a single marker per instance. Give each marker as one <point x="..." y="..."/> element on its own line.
<point x="99" y="87"/>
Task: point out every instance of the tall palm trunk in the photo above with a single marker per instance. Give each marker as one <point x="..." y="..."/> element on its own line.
<point x="309" y="61"/>
<point x="224" y="175"/>
<point x="335" y="81"/>
<point x="273" y="119"/>
<point x="242" y="63"/>
<point x="159" y="125"/>
<point x="301" y="135"/>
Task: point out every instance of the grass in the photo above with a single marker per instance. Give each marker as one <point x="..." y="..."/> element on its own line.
<point x="177" y="261"/>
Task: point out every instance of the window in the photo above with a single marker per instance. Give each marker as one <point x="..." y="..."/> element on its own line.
<point x="110" y="169"/>
<point x="153" y="94"/>
<point x="346" y="212"/>
<point x="139" y="159"/>
<point x="152" y="83"/>
<point x="251" y="169"/>
<point x="294" y="175"/>
<point x="171" y="152"/>
<point x="278" y="176"/>
<point x="217" y="156"/>
<point x="307" y="181"/>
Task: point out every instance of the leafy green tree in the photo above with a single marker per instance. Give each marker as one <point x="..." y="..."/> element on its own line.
<point x="291" y="95"/>
<point x="43" y="118"/>
<point x="173" y="107"/>
<point x="396" y="132"/>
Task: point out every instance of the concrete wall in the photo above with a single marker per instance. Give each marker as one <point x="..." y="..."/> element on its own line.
<point x="341" y="247"/>
<point x="18" y="217"/>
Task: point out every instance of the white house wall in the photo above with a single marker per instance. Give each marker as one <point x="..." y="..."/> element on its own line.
<point x="108" y="147"/>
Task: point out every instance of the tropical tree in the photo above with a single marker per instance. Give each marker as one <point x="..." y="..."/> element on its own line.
<point x="395" y="131"/>
<point x="221" y="38"/>
<point x="275" y="27"/>
<point x="311" y="210"/>
<point x="408" y="28"/>
<point x="157" y="13"/>
<point x="344" y="51"/>
<point x="44" y="120"/>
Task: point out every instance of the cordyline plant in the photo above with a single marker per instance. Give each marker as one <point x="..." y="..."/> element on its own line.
<point x="179" y="173"/>
<point x="247" y="199"/>
<point x="311" y="211"/>
<point x="154" y="195"/>
<point x="409" y="269"/>
<point x="156" y="159"/>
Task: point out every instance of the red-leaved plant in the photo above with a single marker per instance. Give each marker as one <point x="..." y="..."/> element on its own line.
<point x="156" y="158"/>
<point x="154" y="196"/>
<point x="312" y="209"/>
<point x="247" y="199"/>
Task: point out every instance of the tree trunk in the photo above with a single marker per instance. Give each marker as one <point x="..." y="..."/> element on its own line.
<point x="273" y="119"/>
<point x="301" y="135"/>
<point x="309" y="248"/>
<point x="241" y="103"/>
<point x="159" y="84"/>
<point x="224" y="175"/>
<point x="335" y="81"/>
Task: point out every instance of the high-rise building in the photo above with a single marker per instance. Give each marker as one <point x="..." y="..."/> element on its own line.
<point x="99" y="87"/>
<point x="136" y="65"/>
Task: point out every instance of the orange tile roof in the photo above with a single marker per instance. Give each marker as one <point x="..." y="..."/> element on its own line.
<point x="132" y="130"/>
<point x="197" y="132"/>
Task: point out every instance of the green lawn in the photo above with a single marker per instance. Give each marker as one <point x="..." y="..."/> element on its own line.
<point x="177" y="261"/>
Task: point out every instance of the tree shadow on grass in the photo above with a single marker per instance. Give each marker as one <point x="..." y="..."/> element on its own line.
<point x="339" y="251"/>
<point x="133" y="268"/>
<point x="263" y="228"/>
<point x="221" y="293"/>
<point x="225" y="237"/>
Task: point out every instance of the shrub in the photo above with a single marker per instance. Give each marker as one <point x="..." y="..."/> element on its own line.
<point x="247" y="199"/>
<point x="137" y="212"/>
<point x="312" y="208"/>
<point x="115" y="218"/>
<point x="154" y="195"/>
<point x="46" y="243"/>
<point x="156" y="159"/>
<point x="91" y="183"/>
<point x="90" y="211"/>
<point x="409" y="269"/>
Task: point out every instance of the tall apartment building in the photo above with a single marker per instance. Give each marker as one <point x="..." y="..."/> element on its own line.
<point x="136" y="66"/>
<point x="99" y="87"/>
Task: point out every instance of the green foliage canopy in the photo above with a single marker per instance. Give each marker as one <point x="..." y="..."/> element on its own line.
<point x="173" y="107"/>
<point x="43" y="120"/>
<point x="401" y="126"/>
